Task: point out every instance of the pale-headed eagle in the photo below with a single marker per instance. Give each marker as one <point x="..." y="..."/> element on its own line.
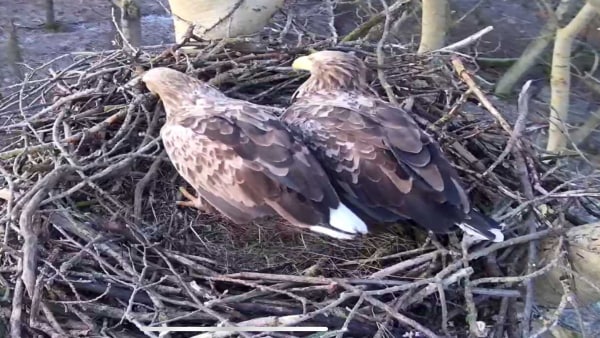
<point x="243" y="160"/>
<point x="384" y="167"/>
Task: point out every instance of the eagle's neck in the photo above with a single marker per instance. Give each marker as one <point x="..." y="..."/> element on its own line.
<point x="320" y="85"/>
<point x="182" y="100"/>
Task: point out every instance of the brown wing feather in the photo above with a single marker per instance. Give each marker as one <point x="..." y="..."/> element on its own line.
<point x="211" y="169"/>
<point x="249" y="166"/>
<point x="424" y="158"/>
<point x="381" y="162"/>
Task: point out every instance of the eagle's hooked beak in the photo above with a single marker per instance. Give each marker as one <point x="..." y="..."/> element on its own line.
<point x="302" y="63"/>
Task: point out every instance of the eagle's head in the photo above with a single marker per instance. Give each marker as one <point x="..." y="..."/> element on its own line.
<point x="177" y="89"/>
<point x="161" y="80"/>
<point x="332" y="71"/>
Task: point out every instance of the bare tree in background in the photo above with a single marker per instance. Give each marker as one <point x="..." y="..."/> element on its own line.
<point x="50" y="23"/>
<point x="128" y="20"/>
<point x="563" y="38"/>
<point x="434" y="24"/>
<point x="13" y="51"/>
<point x="535" y="49"/>
<point x="560" y="81"/>
<point x="218" y="19"/>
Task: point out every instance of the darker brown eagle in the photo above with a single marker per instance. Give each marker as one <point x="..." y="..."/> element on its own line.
<point x="243" y="161"/>
<point x="384" y="167"/>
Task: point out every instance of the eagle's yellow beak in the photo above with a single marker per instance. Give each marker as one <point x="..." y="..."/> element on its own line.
<point x="302" y="63"/>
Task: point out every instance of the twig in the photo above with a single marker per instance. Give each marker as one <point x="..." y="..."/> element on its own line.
<point x="284" y="320"/>
<point x="564" y="300"/>
<point x="515" y="137"/>
<point x="380" y="58"/>
<point x="407" y="264"/>
<point x="351" y="315"/>
<point x="466" y="41"/>
<point x="30" y="230"/>
<point x="71" y="139"/>
<point x="86" y="93"/>
<point x="518" y="279"/>
<point x="401" y="318"/>
<point x="453" y="111"/>
<point x="444" y="305"/>
<point x="464" y="75"/>
<point x="527" y="189"/>
<point x="124" y="38"/>
<point x="363" y="29"/>
<point x="141" y="185"/>
<point x="17" y="311"/>
<point x="438" y="281"/>
<point x="191" y="294"/>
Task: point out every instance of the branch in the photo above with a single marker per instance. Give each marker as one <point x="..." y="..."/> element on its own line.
<point x="464" y="75"/>
<point x="587" y="128"/>
<point x="519" y="127"/>
<point x="380" y="58"/>
<point x="560" y="81"/>
<point x="375" y="20"/>
<point x="466" y="41"/>
<point x="533" y="51"/>
<point x="434" y="25"/>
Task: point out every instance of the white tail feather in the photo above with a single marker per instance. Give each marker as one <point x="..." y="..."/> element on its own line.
<point x="331" y="232"/>
<point x="344" y="219"/>
<point x="499" y="236"/>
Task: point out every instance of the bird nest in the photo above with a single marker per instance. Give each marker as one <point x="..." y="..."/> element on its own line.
<point x="94" y="244"/>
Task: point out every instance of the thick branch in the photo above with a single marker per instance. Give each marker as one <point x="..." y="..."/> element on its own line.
<point x="533" y="51"/>
<point x="587" y="128"/>
<point x="561" y="77"/>
<point x="375" y="20"/>
<point x="13" y="51"/>
<point x="434" y="25"/>
<point x="129" y="22"/>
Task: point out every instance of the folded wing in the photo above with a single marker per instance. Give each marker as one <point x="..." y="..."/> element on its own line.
<point x="382" y="164"/>
<point x="247" y="164"/>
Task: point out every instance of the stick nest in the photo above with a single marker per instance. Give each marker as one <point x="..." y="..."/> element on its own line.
<point x="94" y="245"/>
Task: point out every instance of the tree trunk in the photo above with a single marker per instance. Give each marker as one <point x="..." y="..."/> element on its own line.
<point x="13" y="51"/>
<point x="50" y="19"/>
<point x="533" y="51"/>
<point x="560" y="79"/>
<point x="527" y="60"/>
<point x="129" y="21"/>
<point x="220" y="19"/>
<point x="434" y="23"/>
<point x="583" y="132"/>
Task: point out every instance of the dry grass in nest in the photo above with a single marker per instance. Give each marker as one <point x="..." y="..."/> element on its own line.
<point x="94" y="244"/>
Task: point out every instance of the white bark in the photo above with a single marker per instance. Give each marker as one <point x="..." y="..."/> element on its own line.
<point x="560" y="80"/>
<point x="218" y="19"/>
<point x="533" y="51"/>
<point x="434" y="25"/>
<point x="13" y="51"/>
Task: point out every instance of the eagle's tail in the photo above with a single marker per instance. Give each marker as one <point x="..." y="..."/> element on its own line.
<point x="482" y="227"/>
<point x="343" y="224"/>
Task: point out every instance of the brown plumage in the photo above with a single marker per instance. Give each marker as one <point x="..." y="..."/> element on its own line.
<point x="242" y="160"/>
<point x="384" y="167"/>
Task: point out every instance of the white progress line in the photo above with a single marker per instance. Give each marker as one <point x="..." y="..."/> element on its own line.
<point x="234" y="328"/>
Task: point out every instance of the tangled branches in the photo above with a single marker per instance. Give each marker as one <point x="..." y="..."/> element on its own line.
<point x="94" y="245"/>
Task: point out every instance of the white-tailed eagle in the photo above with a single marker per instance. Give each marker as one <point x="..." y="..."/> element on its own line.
<point x="243" y="161"/>
<point x="384" y="167"/>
